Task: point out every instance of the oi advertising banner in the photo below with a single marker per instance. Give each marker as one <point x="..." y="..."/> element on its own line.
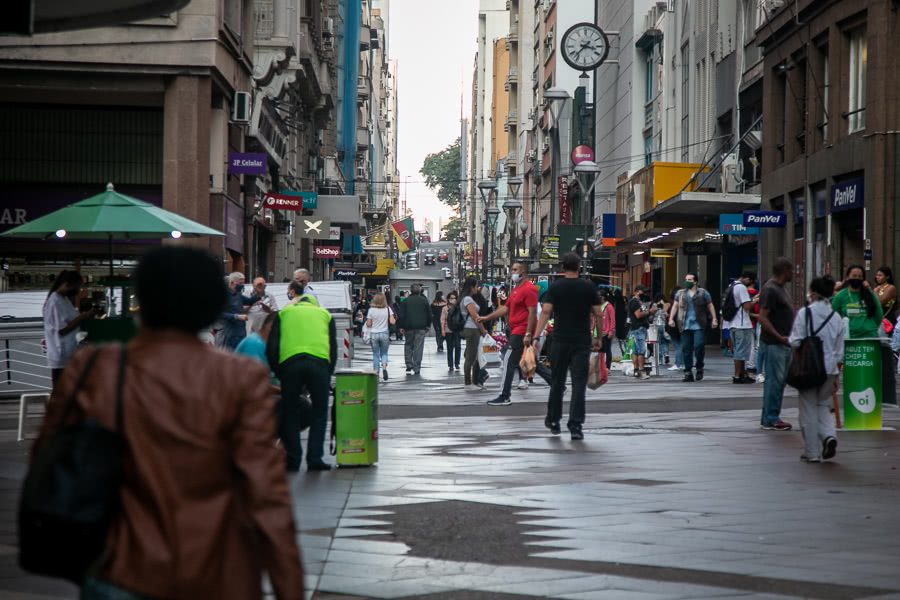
<point x="862" y="384"/>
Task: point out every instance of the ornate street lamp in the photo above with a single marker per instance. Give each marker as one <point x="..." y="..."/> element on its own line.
<point x="512" y="208"/>
<point x="486" y="187"/>
<point x="556" y="97"/>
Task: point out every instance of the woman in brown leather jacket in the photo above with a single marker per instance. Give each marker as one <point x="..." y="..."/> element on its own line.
<point x="205" y="506"/>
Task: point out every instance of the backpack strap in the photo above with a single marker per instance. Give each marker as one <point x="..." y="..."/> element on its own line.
<point x="82" y="377"/>
<point x="825" y="322"/>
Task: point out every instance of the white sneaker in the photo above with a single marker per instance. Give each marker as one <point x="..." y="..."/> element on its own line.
<point x="760" y="378"/>
<point x="643" y="375"/>
<point x="471" y="388"/>
<point x="674" y="368"/>
<point x="523" y="385"/>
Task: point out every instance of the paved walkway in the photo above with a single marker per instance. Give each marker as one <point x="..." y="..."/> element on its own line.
<point x="658" y="501"/>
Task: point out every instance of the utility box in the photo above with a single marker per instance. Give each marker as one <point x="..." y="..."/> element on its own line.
<point x="356" y="417"/>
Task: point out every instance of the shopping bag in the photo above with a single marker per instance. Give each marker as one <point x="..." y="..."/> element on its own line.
<point x="597" y="373"/>
<point x="528" y="363"/>
<point x="488" y="352"/>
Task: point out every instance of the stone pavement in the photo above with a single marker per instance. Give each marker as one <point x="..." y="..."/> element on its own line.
<point x="674" y="493"/>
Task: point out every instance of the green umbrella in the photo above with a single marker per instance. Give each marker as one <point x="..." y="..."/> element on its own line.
<point x="110" y="216"/>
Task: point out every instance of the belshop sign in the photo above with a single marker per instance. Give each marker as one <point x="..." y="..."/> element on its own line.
<point x="327" y="252"/>
<point x="246" y="163"/>
<point x="847" y="195"/>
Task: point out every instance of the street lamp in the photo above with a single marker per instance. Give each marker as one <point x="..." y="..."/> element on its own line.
<point x="485" y="188"/>
<point x="588" y="168"/>
<point x="556" y="97"/>
<point x="512" y="207"/>
<point x="491" y="223"/>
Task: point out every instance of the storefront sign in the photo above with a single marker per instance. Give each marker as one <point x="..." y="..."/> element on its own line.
<point x="582" y="154"/>
<point x="315" y="228"/>
<point x="246" y="163"/>
<point x="847" y="195"/>
<point x="662" y="253"/>
<point x="310" y="199"/>
<point x="862" y="384"/>
<point x="334" y="233"/>
<point x="765" y="218"/>
<point x="282" y="202"/>
<point x="326" y="252"/>
<point x="234" y="233"/>
<point x="550" y="249"/>
<point x="345" y="274"/>
<point x="733" y="224"/>
<point x="565" y="212"/>
<point x="695" y="248"/>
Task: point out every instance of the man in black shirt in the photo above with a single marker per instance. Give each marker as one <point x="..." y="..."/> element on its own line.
<point x="640" y="322"/>
<point x="776" y="318"/>
<point x="569" y="301"/>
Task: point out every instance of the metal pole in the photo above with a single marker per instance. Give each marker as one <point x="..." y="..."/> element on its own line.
<point x="554" y="176"/>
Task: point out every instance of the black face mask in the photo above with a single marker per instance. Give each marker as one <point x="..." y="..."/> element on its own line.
<point x="645" y="297"/>
<point x="239" y="287"/>
<point x="855" y="283"/>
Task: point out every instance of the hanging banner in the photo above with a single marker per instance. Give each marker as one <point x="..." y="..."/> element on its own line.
<point x="565" y="211"/>
<point x="315" y="228"/>
<point x="765" y="218"/>
<point x="550" y="249"/>
<point x="327" y="252"/>
<point x="582" y="154"/>
<point x="246" y="163"/>
<point x="282" y="202"/>
<point x="404" y="232"/>
<point x="733" y="224"/>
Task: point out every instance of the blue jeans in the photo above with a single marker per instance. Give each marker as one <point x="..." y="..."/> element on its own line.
<point x="777" y="361"/>
<point x="693" y="344"/>
<point x="676" y="350"/>
<point x="381" y="343"/>
<point x="662" y="341"/>
<point x="639" y="335"/>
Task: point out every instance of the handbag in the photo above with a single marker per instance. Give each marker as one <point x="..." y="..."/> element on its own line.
<point x="807" y="368"/>
<point x="488" y="351"/>
<point x="597" y="373"/>
<point x="71" y="491"/>
<point x="528" y="362"/>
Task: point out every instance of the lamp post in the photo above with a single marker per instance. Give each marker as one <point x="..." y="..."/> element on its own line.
<point x="512" y="208"/>
<point x="589" y="168"/>
<point x="491" y="221"/>
<point x="556" y="97"/>
<point x="485" y="188"/>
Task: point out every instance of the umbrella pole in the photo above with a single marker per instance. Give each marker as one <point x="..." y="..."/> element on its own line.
<point x="110" y="259"/>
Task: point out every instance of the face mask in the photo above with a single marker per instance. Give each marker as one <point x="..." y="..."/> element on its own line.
<point x="688" y="284"/>
<point x="645" y="297"/>
<point x="516" y="278"/>
<point x="239" y="287"/>
<point x="855" y="283"/>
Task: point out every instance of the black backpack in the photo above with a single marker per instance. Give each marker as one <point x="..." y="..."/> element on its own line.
<point x="456" y="320"/>
<point x="807" y="368"/>
<point x="729" y="307"/>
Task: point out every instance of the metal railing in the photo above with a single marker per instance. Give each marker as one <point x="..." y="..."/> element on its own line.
<point x="23" y="362"/>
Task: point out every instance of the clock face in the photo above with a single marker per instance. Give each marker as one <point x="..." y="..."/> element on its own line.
<point x="585" y="46"/>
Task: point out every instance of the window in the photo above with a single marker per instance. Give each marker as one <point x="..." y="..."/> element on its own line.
<point x="648" y="79"/>
<point x="685" y="102"/>
<point x="856" y="111"/>
<point x="648" y="149"/>
<point x="826" y="84"/>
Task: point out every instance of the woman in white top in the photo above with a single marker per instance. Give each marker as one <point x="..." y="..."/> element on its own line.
<point x="61" y="321"/>
<point x="816" y="420"/>
<point x="379" y="320"/>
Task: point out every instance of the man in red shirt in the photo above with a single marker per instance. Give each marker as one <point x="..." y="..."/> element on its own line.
<point x="521" y="306"/>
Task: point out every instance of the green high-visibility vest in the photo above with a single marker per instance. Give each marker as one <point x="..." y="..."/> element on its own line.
<point x="304" y="330"/>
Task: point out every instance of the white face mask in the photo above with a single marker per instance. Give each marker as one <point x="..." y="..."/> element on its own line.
<point x="516" y="278"/>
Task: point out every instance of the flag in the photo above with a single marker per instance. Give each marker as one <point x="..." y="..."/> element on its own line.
<point x="405" y="233"/>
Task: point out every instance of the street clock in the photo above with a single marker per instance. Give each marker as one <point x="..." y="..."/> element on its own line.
<point x="585" y="46"/>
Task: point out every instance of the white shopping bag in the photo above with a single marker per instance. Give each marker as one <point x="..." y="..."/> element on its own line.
<point x="488" y="352"/>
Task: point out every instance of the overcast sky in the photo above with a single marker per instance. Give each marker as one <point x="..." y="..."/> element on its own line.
<point x="434" y="43"/>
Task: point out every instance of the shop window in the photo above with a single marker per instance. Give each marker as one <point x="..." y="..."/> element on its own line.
<point x="856" y="110"/>
<point x="826" y="93"/>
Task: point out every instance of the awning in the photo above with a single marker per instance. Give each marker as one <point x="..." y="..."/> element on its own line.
<point x="700" y="208"/>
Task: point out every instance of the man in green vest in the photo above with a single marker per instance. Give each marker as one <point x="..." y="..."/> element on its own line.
<point x="302" y="350"/>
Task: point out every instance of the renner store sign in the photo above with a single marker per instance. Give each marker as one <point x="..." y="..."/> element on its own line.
<point x="765" y="218"/>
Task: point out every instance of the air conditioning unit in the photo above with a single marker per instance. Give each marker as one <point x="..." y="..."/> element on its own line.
<point x="361" y="173"/>
<point x="730" y="176"/>
<point x="241" y="108"/>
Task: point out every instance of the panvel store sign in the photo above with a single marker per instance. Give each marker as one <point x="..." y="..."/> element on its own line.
<point x="847" y="195"/>
<point x="765" y="218"/>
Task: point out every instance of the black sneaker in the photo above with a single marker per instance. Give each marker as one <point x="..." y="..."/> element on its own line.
<point x="322" y="466"/>
<point x="699" y="374"/>
<point x="384" y="374"/>
<point x="576" y="432"/>
<point x="742" y="380"/>
<point x="829" y="447"/>
<point x="688" y="377"/>
<point x="499" y="401"/>
<point x="553" y="426"/>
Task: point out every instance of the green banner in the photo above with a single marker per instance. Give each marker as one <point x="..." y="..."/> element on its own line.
<point x="862" y="384"/>
<point x="356" y="417"/>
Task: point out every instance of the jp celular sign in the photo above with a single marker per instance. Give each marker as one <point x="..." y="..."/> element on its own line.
<point x="246" y="163"/>
<point x="765" y="218"/>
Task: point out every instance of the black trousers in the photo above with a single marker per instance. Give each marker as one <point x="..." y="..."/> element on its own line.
<point x="566" y="356"/>
<point x="314" y="374"/>
<point x="437" y="336"/>
<point x="454" y="348"/>
<point x="606" y="346"/>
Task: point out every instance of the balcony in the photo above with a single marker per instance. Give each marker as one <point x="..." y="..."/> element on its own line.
<point x="512" y="118"/>
<point x="362" y="138"/>
<point x="513" y="33"/>
<point x="365" y="38"/>
<point x="362" y="89"/>
<point x="513" y="77"/>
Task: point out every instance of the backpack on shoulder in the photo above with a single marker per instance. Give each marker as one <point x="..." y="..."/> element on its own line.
<point x="456" y="320"/>
<point x="807" y="368"/>
<point x="729" y="306"/>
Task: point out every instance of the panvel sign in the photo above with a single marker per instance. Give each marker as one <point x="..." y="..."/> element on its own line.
<point x="246" y="163"/>
<point x="326" y="252"/>
<point x="733" y="224"/>
<point x="765" y="218"/>
<point x="847" y="195"/>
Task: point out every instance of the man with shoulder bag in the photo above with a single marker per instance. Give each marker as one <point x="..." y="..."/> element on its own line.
<point x="693" y="311"/>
